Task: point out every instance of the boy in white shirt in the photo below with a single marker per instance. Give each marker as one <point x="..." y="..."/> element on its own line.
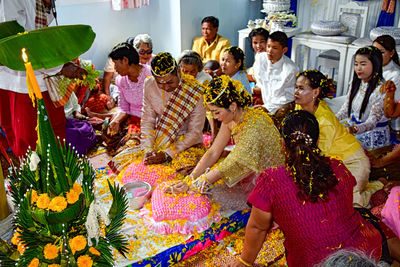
<point x="276" y="75"/>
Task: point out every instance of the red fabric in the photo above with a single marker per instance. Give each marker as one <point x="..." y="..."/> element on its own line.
<point x="18" y="120"/>
<point x="81" y="93"/>
<point x="97" y="103"/>
<point x="134" y="125"/>
<point x="315" y="230"/>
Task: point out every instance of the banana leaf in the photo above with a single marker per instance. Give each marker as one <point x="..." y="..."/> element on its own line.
<point x="9" y="28"/>
<point x="46" y="47"/>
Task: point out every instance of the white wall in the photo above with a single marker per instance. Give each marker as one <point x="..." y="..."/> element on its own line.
<point x="171" y="23"/>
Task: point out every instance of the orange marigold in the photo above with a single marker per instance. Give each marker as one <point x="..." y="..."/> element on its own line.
<point x="94" y="251"/>
<point x="58" y="204"/>
<point x="50" y="251"/>
<point x="43" y="201"/>
<point x="21" y="248"/>
<point x="15" y="239"/>
<point x="72" y="196"/>
<point x="77" y="243"/>
<point x="77" y="188"/>
<point x="85" y="261"/>
<point x="34" y="196"/>
<point x="34" y="263"/>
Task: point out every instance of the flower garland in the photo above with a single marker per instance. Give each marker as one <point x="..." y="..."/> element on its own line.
<point x="163" y="64"/>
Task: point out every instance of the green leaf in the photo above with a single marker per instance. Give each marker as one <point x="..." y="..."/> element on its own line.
<point x="10" y="28"/>
<point x="46" y="47"/>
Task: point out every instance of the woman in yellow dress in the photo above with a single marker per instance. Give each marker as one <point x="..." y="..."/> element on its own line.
<point x="334" y="139"/>
<point x="257" y="146"/>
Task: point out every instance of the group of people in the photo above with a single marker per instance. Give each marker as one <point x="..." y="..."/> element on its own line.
<point x="296" y="162"/>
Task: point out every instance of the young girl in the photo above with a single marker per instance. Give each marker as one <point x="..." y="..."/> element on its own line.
<point x="362" y="113"/>
<point x="232" y="64"/>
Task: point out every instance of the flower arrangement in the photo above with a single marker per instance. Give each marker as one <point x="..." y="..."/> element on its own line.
<point x="282" y="16"/>
<point x="58" y="222"/>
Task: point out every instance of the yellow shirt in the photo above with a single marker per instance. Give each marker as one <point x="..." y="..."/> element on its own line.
<point x="210" y="52"/>
<point x="334" y="139"/>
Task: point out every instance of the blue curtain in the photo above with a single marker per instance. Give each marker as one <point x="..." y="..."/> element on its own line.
<point x="293" y="6"/>
<point x="386" y="18"/>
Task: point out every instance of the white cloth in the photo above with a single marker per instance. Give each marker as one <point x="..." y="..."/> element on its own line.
<point x="24" y="12"/>
<point x="202" y="77"/>
<point x="277" y="81"/>
<point x="391" y="72"/>
<point x="71" y="106"/>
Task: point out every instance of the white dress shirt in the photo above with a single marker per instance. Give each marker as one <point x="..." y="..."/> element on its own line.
<point x="277" y="81"/>
<point x="24" y="12"/>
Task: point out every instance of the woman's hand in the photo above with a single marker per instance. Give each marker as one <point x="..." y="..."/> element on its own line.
<point x="202" y="185"/>
<point x="113" y="128"/>
<point x="177" y="188"/>
<point x="352" y="129"/>
<point x="387" y="87"/>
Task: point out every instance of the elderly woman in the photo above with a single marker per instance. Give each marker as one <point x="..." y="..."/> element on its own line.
<point x="257" y="146"/>
<point x="144" y="46"/>
<point x="190" y="63"/>
<point x="310" y="198"/>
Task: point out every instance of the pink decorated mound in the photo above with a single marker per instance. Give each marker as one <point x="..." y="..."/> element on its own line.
<point x="152" y="174"/>
<point x="179" y="213"/>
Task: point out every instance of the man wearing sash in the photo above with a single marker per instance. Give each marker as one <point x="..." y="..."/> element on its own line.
<point x="173" y="112"/>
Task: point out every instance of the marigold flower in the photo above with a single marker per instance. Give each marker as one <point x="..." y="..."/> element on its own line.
<point x="43" y="201"/>
<point x="77" y="188"/>
<point x="34" y="262"/>
<point x="85" y="261"/>
<point x="21" y="248"/>
<point x="77" y="243"/>
<point x="58" y="204"/>
<point x="34" y="196"/>
<point x="72" y="196"/>
<point x="50" y="251"/>
<point x="94" y="251"/>
<point x="15" y="239"/>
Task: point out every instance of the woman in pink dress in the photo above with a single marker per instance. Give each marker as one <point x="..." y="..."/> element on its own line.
<point x="310" y="199"/>
<point x="130" y="82"/>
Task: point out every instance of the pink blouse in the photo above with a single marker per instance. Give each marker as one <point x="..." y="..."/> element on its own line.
<point x="131" y="93"/>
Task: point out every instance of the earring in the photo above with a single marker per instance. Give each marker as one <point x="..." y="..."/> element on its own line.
<point x="313" y="98"/>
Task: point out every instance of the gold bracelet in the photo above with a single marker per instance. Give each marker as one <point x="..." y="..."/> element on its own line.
<point x="245" y="262"/>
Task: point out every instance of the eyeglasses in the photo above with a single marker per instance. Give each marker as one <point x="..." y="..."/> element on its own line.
<point x="144" y="52"/>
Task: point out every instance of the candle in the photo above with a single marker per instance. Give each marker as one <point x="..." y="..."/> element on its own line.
<point x="31" y="81"/>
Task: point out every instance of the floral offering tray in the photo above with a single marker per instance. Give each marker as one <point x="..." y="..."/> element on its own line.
<point x="147" y="248"/>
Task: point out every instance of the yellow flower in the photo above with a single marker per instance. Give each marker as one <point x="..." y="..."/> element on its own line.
<point x="77" y="243"/>
<point x="34" y="262"/>
<point x="15" y="239"/>
<point x="77" y="188"/>
<point x="58" y="204"/>
<point x="72" y="196"/>
<point x="43" y="201"/>
<point x="50" y="251"/>
<point x="94" y="251"/>
<point x="85" y="261"/>
<point x="34" y="196"/>
<point x="54" y="265"/>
